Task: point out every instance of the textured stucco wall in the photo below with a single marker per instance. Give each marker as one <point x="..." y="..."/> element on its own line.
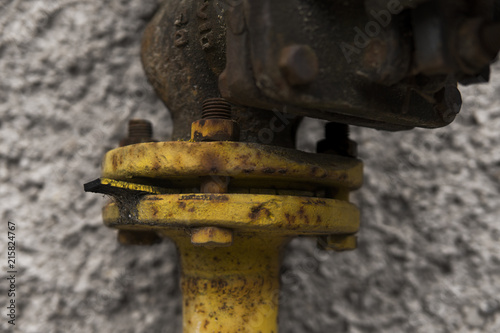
<point x="70" y="78"/>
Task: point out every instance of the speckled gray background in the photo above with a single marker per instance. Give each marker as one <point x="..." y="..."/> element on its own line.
<point x="70" y="78"/>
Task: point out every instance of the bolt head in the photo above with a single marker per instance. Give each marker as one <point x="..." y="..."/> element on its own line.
<point x="212" y="237"/>
<point x="476" y="47"/>
<point x="299" y="64"/>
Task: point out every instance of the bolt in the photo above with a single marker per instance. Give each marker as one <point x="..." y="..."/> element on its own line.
<point x="216" y="108"/>
<point x="216" y="123"/>
<point x="299" y="64"/>
<point x="337" y="141"/>
<point x="139" y="131"/>
<point x="478" y="45"/>
<point x="338" y="243"/>
<point x="212" y="237"/>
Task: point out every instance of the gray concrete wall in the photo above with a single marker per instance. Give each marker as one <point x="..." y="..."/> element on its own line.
<point x="70" y="78"/>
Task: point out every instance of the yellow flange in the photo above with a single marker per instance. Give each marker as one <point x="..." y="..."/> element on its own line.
<point x="180" y="164"/>
<point x="230" y="244"/>
<point x="285" y="215"/>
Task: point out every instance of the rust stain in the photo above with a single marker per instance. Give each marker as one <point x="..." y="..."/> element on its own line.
<point x="257" y="210"/>
<point x="155" y="210"/>
<point x="290" y="218"/>
<point x="315" y="202"/>
<point x="113" y="162"/>
<point x="303" y="215"/>
<point x="156" y="166"/>
<point x="198" y="136"/>
<point x="212" y="162"/>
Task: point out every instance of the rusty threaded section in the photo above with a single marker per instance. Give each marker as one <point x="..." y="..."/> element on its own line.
<point x="216" y="108"/>
<point x="140" y="128"/>
<point x="337" y="141"/>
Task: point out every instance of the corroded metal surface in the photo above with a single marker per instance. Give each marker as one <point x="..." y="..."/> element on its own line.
<point x="230" y="236"/>
<point x="371" y="63"/>
<point x="278" y="214"/>
<point x="231" y="206"/>
<point x="232" y="289"/>
<point x="215" y="130"/>
<point x="182" y="58"/>
<point x="181" y="163"/>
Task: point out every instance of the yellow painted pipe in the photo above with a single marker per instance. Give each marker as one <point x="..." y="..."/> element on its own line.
<point x="231" y="289"/>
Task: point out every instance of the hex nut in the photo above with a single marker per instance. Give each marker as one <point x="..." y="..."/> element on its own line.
<point x="212" y="237"/>
<point x="338" y="243"/>
<point x="347" y="148"/>
<point x="299" y="64"/>
<point x="215" y="130"/>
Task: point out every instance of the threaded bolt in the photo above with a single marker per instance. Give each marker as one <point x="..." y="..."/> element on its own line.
<point x="220" y="127"/>
<point x="337" y="141"/>
<point x="216" y="108"/>
<point x="336" y="132"/>
<point x="140" y="128"/>
<point x="139" y="131"/>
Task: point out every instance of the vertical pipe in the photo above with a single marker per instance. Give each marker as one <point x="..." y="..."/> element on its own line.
<point x="231" y="289"/>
